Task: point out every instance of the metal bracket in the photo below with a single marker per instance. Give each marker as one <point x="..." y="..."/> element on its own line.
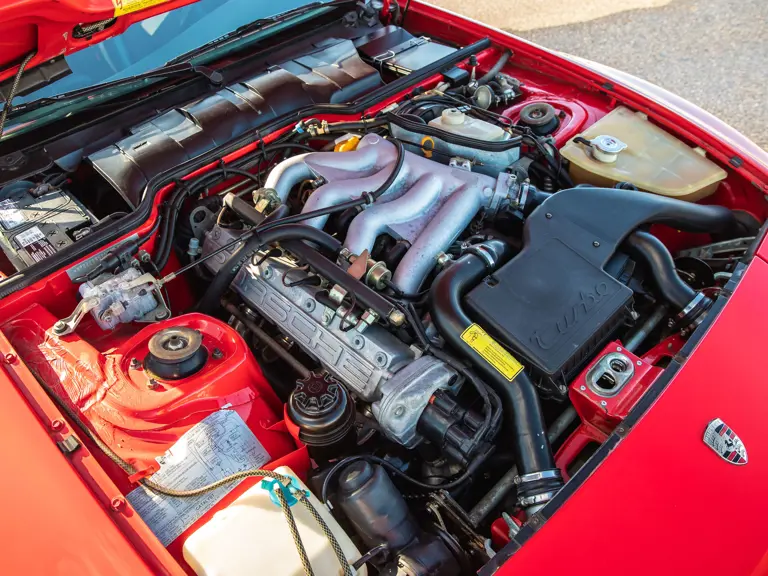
<point x="69" y="324"/>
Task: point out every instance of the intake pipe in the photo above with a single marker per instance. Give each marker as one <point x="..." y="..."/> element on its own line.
<point x="539" y="479"/>
<point x="662" y="267"/>
<point x="691" y="304"/>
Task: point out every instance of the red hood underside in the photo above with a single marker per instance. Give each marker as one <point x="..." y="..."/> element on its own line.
<point x="45" y="27"/>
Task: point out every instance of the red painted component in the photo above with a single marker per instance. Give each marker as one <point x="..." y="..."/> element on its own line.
<point x="599" y="413"/>
<point x="577" y="116"/>
<point x="666" y="349"/>
<point x="52" y="523"/>
<point x="500" y="532"/>
<point x="139" y="417"/>
<point x="605" y="412"/>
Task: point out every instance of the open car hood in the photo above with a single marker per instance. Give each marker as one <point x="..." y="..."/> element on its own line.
<point x="51" y="29"/>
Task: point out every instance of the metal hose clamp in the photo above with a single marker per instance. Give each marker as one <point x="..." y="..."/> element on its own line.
<point x="693" y="314"/>
<point x="528" y="501"/>
<point x="484" y="253"/>
<point x="534" y="476"/>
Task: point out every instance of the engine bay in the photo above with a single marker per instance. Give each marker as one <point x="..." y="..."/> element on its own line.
<point x="398" y="331"/>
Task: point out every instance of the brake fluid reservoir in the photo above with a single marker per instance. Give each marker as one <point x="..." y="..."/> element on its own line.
<point x="454" y="120"/>
<point x="626" y="147"/>
<point x="252" y="531"/>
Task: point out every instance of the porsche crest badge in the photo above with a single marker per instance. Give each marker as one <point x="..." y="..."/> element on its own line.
<point x="724" y="441"/>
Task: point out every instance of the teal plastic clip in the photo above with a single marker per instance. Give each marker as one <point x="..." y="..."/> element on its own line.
<point x="271" y="485"/>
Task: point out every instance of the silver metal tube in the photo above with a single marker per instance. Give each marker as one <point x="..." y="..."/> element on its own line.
<point x="638" y="336"/>
<point x="337" y="192"/>
<point x="331" y="166"/>
<point x="496" y="494"/>
<point x="283" y="177"/>
<point x="429" y="204"/>
<point x="454" y="216"/>
<point x="376" y="220"/>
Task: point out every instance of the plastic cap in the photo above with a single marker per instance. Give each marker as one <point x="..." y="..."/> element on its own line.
<point x="355" y="476"/>
<point x="453" y="116"/>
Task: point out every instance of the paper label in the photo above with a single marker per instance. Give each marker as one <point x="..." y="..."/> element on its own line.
<point x="10" y="216"/>
<point x="26" y="238"/>
<point x="493" y="352"/>
<point x="128" y="6"/>
<point x="220" y="445"/>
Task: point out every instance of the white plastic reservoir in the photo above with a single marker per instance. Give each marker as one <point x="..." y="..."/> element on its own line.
<point x="455" y="121"/>
<point x="251" y="536"/>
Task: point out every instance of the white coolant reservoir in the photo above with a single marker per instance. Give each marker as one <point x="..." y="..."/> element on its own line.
<point x="251" y="536"/>
<point x="626" y="147"/>
<point x="455" y="121"/>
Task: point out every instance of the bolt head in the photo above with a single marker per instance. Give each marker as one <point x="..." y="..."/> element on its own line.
<point x="548" y="215"/>
<point x="152" y="384"/>
<point x="639" y="362"/>
<point x="135" y="364"/>
<point x="596" y="244"/>
<point x="10" y="358"/>
<point x="57" y="424"/>
<point x="582" y="388"/>
<point x="217" y="354"/>
<point x="399" y="411"/>
<point x="117" y="502"/>
<point x="603" y="403"/>
<point x="397" y="318"/>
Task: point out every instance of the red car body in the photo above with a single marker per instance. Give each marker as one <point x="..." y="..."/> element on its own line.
<point x="660" y="502"/>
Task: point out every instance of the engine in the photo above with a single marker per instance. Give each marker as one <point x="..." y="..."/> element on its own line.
<point x="407" y="326"/>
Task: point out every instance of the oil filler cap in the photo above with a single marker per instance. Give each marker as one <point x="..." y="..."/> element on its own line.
<point x="175" y="353"/>
<point x="323" y="410"/>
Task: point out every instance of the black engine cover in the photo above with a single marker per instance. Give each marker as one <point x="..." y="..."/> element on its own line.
<point x="553" y="307"/>
<point x="554" y="303"/>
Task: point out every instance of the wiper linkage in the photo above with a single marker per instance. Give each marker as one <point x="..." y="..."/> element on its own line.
<point x="169" y="71"/>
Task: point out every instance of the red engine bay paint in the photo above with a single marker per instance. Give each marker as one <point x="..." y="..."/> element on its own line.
<point x="141" y="417"/>
<point x="600" y="413"/>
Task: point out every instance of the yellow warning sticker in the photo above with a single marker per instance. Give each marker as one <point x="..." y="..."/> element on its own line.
<point x="482" y="343"/>
<point x="128" y="6"/>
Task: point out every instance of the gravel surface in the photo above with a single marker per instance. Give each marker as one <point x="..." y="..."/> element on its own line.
<point x="712" y="52"/>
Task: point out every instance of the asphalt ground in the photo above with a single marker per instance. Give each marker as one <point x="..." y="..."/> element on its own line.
<point x="711" y="52"/>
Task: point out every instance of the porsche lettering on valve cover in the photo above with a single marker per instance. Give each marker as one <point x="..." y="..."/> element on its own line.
<point x="356" y="287"/>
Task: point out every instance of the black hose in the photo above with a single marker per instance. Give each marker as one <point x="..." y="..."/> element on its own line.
<point x="491" y="401"/>
<point x="168" y="223"/>
<point x="226" y="274"/>
<point x="662" y="268"/>
<point x="519" y="399"/>
<point x="496" y="68"/>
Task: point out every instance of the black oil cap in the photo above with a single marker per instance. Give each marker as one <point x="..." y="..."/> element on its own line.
<point x="322" y="409"/>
